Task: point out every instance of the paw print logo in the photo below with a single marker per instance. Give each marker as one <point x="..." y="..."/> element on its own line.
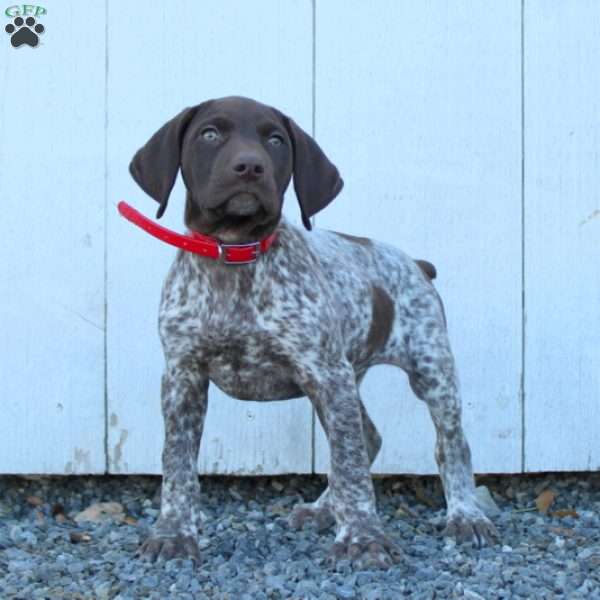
<point x="24" y="32"/>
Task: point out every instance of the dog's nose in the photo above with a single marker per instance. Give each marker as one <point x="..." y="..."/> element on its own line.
<point x="249" y="166"/>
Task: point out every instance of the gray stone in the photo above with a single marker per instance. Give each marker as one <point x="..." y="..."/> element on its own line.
<point x="472" y="595"/>
<point x="39" y="561"/>
<point x="76" y="567"/>
<point x="486" y="502"/>
<point x="374" y="593"/>
<point x="150" y="581"/>
<point x="345" y="592"/>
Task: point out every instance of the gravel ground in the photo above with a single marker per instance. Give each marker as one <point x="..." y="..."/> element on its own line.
<point x="48" y="551"/>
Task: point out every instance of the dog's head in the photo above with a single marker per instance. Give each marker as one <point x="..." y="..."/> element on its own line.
<point x="236" y="157"/>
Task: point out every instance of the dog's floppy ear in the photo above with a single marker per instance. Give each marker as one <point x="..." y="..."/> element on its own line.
<point x="155" y="165"/>
<point x="316" y="180"/>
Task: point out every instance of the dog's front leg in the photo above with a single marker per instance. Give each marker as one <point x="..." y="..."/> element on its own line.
<point x="360" y="536"/>
<point x="184" y="403"/>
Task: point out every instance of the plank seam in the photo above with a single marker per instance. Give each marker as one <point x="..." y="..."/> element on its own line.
<point x="523" y="315"/>
<point x="313" y="132"/>
<point x="106" y="460"/>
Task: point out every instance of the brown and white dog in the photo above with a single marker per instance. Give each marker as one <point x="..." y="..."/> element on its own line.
<point x="308" y="317"/>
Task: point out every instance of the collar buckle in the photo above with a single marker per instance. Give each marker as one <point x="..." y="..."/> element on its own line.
<point x="223" y="253"/>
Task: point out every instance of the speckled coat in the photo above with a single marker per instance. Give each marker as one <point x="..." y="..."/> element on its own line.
<point x="309" y="317"/>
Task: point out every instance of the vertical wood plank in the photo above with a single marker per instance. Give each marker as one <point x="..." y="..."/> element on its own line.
<point x="52" y="245"/>
<point x="186" y="53"/>
<point x="562" y="242"/>
<point x="419" y="106"/>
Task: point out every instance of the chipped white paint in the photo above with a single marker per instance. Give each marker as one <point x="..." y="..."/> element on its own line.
<point x="115" y="456"/>
<point x="419" y="104"/>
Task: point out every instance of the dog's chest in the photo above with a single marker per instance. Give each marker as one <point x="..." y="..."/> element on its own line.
<point x="229" y="333"/>
<point x="245" y="361"/>
<point x="248" y="367"/>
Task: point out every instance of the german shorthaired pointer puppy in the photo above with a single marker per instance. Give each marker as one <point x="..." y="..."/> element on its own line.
<point x="308" y="316"/>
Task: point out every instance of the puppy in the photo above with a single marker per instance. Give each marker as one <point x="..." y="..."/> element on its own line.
<point x="303" y="314"/>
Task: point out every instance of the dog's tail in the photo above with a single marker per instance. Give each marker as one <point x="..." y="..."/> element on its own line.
<point x="428" y="269"/>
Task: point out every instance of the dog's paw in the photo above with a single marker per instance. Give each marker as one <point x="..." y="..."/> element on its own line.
<point x="366" y="545"/>
<point x="471" y="526"/>
<point x="24" y="32"/>
<point x="162" y="547"/>
<point x="310" y="512"/>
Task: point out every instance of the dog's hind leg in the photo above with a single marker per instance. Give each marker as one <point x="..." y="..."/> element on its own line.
<point x="433" y="378"/>
<point x="320" y="511"/>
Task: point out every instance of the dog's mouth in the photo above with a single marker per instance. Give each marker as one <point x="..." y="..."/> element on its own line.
<point x="241" y="218"/>
<point x="244" y="204"/>
<point x="242" y="213"/>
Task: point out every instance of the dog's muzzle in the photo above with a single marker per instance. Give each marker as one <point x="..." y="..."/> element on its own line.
<point x="243" y="205"/>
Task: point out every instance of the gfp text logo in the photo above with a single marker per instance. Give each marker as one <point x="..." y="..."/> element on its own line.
<point x="24" y="28"/>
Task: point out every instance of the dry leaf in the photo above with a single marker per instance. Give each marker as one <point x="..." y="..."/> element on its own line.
<point x="58" y="512"/>
<point x="545" y="500"/>
<point x="102" y="511"/>
<point x="34" y="500"/>
<point x="130" y="520"/>
<point x="565" y="512"/>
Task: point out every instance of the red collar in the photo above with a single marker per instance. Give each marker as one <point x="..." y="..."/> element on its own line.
<point x="198" y="243"/>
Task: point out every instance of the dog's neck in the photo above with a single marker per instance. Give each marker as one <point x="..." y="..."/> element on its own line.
<point x="218" y="272"/>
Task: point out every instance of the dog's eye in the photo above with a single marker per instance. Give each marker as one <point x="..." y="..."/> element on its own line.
<point x="210" y="134"/>
<point x="275" y="140"/>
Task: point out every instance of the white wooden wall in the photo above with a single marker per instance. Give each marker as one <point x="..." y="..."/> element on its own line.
<point x="562" y="235"/>
<point x="468" y="133"/>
